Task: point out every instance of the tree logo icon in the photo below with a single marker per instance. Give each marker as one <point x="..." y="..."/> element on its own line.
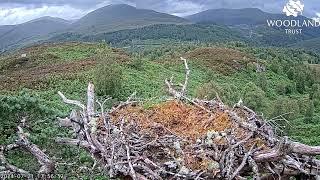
<point x="293" y="8"/>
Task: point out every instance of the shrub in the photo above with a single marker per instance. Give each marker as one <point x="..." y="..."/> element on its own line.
<point x="14" y="108"/>
<point x="288" y="108"/>
<point x="228" y="93"/>
<point x="254" y="97"/>
<point x="209" y="91"/>
<point x="309" y="113"/>
<point x="137" y="62"/>
<point x="108" y="79"/>
<point x="263" y="81"/>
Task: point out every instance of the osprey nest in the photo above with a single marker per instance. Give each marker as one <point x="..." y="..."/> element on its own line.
<point x="184" y="138"/>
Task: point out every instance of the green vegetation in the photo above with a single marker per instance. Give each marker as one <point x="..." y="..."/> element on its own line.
<point x="312" y="44"/>
<point x="158" y="33"/>
<point x="277" y="82"/>
<point x="108" y="78"/>
<point x="71" y="53"/>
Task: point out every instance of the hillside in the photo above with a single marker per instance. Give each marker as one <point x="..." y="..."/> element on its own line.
<point x="275" y="82"/>
<point x="312" y="44"/>
<point x="247" y="16"/>
<point x="18" y="35"/>
<point x="252" y="23"/>
<point x="106" y="19"/>
<point x="121" y="16"/>
<point x="5" y="29"/>
<point x="201" y="33"/>
<point x="156" y="33"/>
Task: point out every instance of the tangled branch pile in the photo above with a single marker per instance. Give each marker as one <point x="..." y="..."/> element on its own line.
<point x="185" y="138"/>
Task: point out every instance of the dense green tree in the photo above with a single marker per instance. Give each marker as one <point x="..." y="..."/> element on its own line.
<point x="300" y="82"/>
<point x="309" y="112"/>
<point x="281" y="88"/>
<point x="315" y="94"/>
<point x="290" y="88"/>
<point x="274" y="65"/>
<point x="291" y="73"/>
<point x="254" y="97"/>
<point x="263" y="81"/>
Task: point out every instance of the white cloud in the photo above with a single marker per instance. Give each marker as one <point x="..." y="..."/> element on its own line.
<point x="17" y="15"/>
<point x="184" y="8"/>
<point x="19" y="11"/>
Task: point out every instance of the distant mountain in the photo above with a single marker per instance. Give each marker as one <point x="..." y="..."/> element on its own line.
<point x="122" y="24"/>
<point x="119" y="17"/>
<point x="103" y="20"/>
<point x="15" y="35"/>
<point x="5" y="29"/>
<point x="250" y="16"/>
<point x="252" y="23"/>
<point x="51" y="19"/>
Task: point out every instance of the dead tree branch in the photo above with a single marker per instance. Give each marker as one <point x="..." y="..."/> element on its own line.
<point x="123" y="146"/>
<point x="47" y="165"/>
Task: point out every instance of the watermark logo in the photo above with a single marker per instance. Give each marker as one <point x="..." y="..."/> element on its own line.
<point x="293" y="8"/>
<point x="293" y="25"/>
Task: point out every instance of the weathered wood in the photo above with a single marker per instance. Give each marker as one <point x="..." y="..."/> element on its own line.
<point x="184" y="87"/>
<point x="73" y="142"/>
<point x="47" y="165"/>
<point x="90" y="100"/>
<point x="122" y="148"/>
<point x="73" y="102"/>
<point x="300" y="148"/>
<point x="9" y="168"/>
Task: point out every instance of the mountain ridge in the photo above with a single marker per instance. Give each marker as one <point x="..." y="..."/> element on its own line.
<point x="232" y="16"/>
<point x="106" y="19"/>
<point x="22" y="33"/>
<point x="249" y="22"/>
<point x="121" y="16"/>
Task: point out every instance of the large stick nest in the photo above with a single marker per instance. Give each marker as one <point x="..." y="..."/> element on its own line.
<point x="185" y="138"/>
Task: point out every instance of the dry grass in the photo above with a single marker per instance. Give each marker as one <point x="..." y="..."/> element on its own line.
<point x="50" y="60"/>
<point x="188" y="122"/>
<point x="184" y="120"/>
<point x="223" y="60"/>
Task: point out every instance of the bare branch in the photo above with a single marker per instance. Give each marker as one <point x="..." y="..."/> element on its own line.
<point x="73" y="102"/>
<point x="184" y="87"/>
<point x="47" y="164"/>
<point x="243" y="163"/>
<point x="90" y="100"/>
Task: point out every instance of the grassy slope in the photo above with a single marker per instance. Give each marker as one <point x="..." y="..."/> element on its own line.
<point x="148" y="81"/>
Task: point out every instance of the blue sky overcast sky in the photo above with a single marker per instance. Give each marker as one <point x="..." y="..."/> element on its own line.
<point x="19" y="11"/>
